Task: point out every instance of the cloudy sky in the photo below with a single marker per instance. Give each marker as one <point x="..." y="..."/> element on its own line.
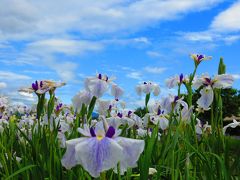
<point x="133" y="40"/>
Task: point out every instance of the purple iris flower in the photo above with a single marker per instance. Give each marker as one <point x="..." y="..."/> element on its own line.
<point x="106" y="78"/>
<point x="99" y="76"/>
<point x="101" y="149"/>
<point x="181" y="78"/>
<point x="208" y="82"/>
<point x="59" y="106"/>
<point x="129" y="113"/>
<point x="110" y="107"/>
<point x="159" y="111"/>
<point x="200" y="57"/>
<point x="120" y="115"/>
<point x="35" y="86"/>
<point x="175" y="99"/>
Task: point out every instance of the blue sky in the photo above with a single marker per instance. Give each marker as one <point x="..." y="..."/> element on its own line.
<point x="133" y="40"/>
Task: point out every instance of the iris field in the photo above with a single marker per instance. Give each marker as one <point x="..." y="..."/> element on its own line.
<point x="102" y="139"/>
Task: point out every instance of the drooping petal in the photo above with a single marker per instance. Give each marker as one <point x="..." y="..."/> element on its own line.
<point x="103" y="107"/>
<point x="69" y="160"/>
<point x="147" y="88"/>
<point x="132" y="149"/>
<point x="197" y="83"/>
<point x="186" y="114"/>
<point x="172" y="82"/>
<point x="116" y="91"/>
<point x="85" y="131"/>
<point x="114" y="121"/>
<point x="223" y="81"/>
<point x="98" y="87"/>
<point x="156" y="90"/>
<point x="206" y="98"/>
<point x="163" y="123"/>
<point x="166" y="104"/>
<point x="97" y="156"/>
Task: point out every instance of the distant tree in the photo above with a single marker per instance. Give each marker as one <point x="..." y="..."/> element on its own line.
<point x="140" y="111"/>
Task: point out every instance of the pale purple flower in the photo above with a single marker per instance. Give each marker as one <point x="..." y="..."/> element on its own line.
<point x="3" y="103"/>
<point x="116" y="91"/>
<point x="125" y="117"/>
<point x="103" y="107"/>
<point x="198" y="58"/>
<point x="201" y="128"/>
<point x="102" y="150"/>
<point x="148" y="87"/>
<point x="83" y="97"/>
<point x="175" y="81"/>
<point x="98" y="85"/>
<point x="156" y="116"/>
<point x="177" y="105"/>
<point x="222" y="81"/>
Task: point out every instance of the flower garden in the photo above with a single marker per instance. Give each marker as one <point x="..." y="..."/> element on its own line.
<point x="102" y="139"/>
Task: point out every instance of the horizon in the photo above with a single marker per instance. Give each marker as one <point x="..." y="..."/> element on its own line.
<point x="134" y="41"/>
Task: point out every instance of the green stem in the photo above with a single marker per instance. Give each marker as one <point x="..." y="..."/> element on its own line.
<point x="91" y="108"/>
<point x="103" y="175"/>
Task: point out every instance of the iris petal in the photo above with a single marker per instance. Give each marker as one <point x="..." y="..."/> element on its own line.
<point x="97" y="156"/>
<point x="110" y="132"/>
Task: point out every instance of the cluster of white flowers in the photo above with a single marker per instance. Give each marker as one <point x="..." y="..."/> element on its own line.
<point x="102" y="148"/>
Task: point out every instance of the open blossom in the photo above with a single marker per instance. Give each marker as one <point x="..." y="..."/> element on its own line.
<point x="116" y="91"/>
<point x="102" y="149"/>
<point x="3" y="103"/>
<point x="83" y="97"/>
<point x="176" y="80"/>
<point x="41" y="87"/>
<point x="198" y="58"/>
<point x="222" y="81"/>
<point x="156" y="116"/>
<point x="103" y="107"/>
<point x="148" y="87"/>
<point x="234" y="124"/>
<point x="201" y="128"/>
<point x="98" y="85"/>
<point x="125" y="117"/>
<point x="177" y="105"/>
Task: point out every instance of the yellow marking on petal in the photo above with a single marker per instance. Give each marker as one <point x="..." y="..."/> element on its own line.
<point x="99" y="138"/>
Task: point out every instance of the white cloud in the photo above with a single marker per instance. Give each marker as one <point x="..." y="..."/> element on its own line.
<point x="228" y="20"/>
<point x="26" y="94"/>
<point x="153" y="54"/>
<point x="155" y="70"/>
<point x="3" y="85"/>
<point x="37" y="72"/>
<point x="24" y="98"/>
<point x="10" y="76"/>
<point x="31" y="19"/>
<point x="134" y="75"/>
<point x="231" y="39"/>
<point x="224" y="28"/>
<point x="209" y="36"/>
<point x="199" y="36"/>
<point x="142" y="40"/>
<point x="65" y="46"/>
<point x="236" y="76"/>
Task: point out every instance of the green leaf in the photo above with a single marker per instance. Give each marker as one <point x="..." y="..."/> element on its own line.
<point x="20" y="171"/>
